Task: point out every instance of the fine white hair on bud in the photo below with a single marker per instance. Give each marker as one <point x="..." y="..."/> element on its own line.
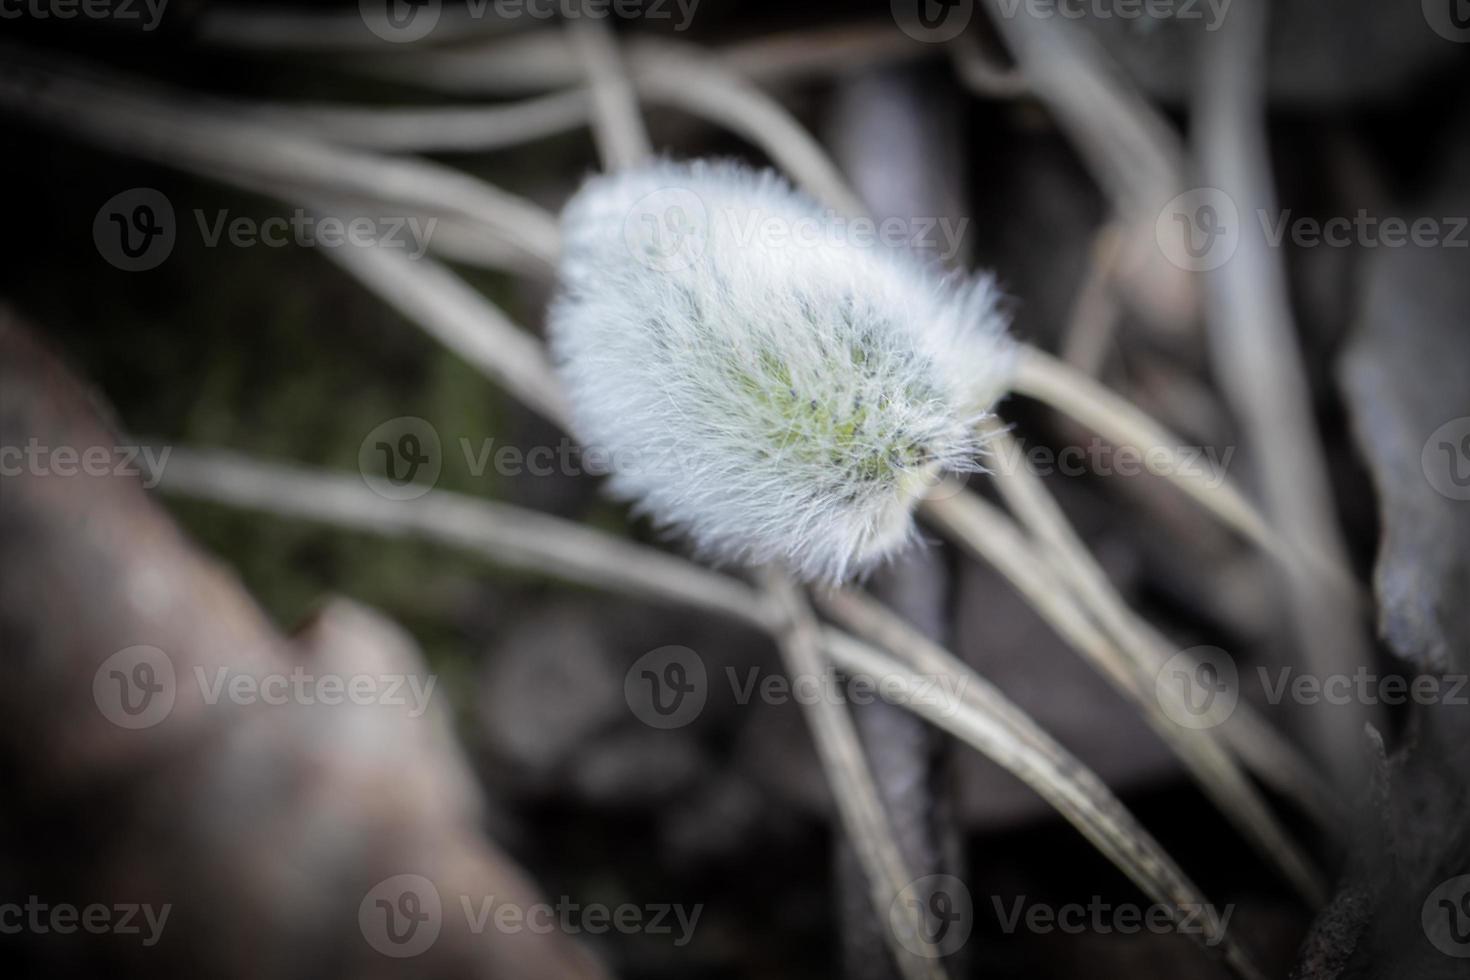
<point x="765" y="377"/>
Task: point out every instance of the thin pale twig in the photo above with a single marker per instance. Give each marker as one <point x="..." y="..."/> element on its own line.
<point x="129" y="117"/>
<point x="1135" y="153"/>
<point x="1039" y="375"/>
<point x="993" y="537"/>
<point x="425" y="129"/>
<point x="1274" y="759"/>
<point x="675" y="75"/>
<point x="984" y="718"/>
<point x="510" y="536"/>
<point x="462" y="319"/>
<point x="543" y="60"/>
<point x="1254" y="347"/>
<point x="664" y="73"/>
<point x="622" y="140"/>
<point x="796" y="55"/>
<point x="1093" y="322"/>
<point x="283" y="29"/>
<point x="455" y="239"/>
<point x="980" y="74"/>
<point x="859" y="805"/>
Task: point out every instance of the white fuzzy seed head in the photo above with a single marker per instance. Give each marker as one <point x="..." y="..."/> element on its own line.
<point x="761" y="378"/>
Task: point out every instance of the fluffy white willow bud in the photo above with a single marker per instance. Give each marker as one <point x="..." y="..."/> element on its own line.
<point x="764" y="376"/>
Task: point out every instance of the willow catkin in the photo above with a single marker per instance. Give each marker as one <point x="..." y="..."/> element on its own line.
<point x="768" y="379"/>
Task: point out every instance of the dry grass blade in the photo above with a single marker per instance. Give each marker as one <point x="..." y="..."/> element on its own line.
<point x="985" y="719"/>
<point x="537" y="61"/>
<point x="543" y="60"/>
<point x="800" y="53"/>
<point x="432" y="128"/>
<point x="1092" y="325"/>
<point x="237" y="26"/>
<point x="1039" y="375"/>
<point x="676" y="75"/>
<point x="1265" y="750"/>
<point x="663" y="73"/>
<point x="1136" y="155"/>
<point x="1127" y="142"/>
<point x="621" y="139"/>
<point x="989" y="534"/>
<point x="462" y="319"/>
<point x="981" y="75"/>
<point x="858" y="802"/>
<point x="128" y="117"/>
<point x="470" y="243"/>
<point x="510" y="536"/>
<point x="1255" y="349"/>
